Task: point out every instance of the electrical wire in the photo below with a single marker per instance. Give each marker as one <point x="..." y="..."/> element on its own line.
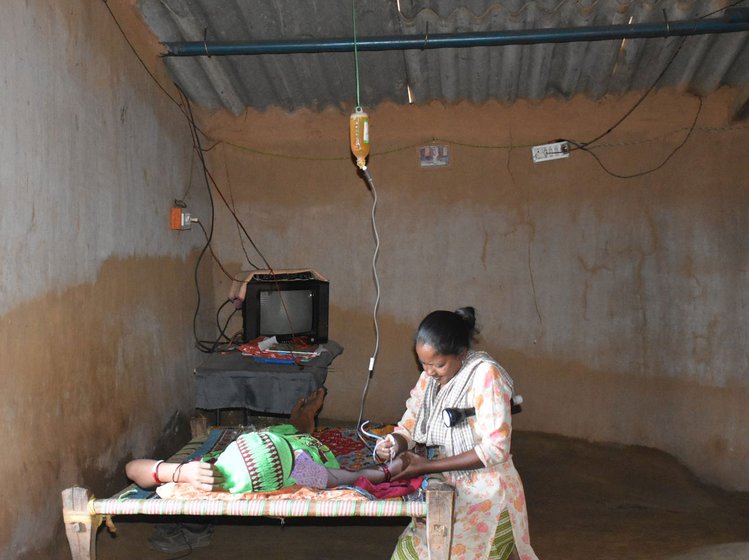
<point x="215" y="258"/>
<point x="210" y="181"/>
<point x="586" y="146"/>
<point x="233" y="206"/>
<point x="209" y="235"/>
<point x="195" y="131"/>
<point x="222" y="330"/>
<point x="373" y="358"/>
<point x="668" y="157"/>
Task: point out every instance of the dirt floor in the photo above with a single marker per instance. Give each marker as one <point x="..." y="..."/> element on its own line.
<point x="586" y="501"/>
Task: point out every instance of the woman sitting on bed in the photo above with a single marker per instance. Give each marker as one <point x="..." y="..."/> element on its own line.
<point x="264" y="461"/>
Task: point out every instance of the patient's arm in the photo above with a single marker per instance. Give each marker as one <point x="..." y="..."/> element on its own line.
<point x="374" y="473"/>
<point x="144" y="472"/>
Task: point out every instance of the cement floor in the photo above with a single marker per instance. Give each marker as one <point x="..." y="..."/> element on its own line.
<point x="588" y="501"/>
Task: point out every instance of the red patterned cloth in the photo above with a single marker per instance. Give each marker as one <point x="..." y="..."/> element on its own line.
<point x="299" y="351"/>
<point x="386" y="490"/>
<point x="350" y="451"/>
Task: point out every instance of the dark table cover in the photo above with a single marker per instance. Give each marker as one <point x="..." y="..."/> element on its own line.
<point x="232" y="380"/>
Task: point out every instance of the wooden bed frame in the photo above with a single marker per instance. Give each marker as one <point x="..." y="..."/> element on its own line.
<point x="83" y="514"/>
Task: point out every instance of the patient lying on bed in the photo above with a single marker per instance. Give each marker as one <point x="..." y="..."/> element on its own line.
<point x="265" y="461"/>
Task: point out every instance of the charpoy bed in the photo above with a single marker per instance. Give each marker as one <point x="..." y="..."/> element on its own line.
<point x="83" y="514"/>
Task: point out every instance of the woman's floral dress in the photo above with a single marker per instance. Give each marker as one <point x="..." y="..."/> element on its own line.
<point x="482" y="496"/>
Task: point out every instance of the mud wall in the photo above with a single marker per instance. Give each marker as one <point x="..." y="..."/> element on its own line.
<point x="619" y="305"/>
<point x="96" y="347"/>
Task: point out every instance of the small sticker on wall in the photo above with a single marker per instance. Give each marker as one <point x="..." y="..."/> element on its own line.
<point x="434" y="155"/>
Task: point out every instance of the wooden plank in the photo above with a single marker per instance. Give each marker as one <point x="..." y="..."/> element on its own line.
<point x="439" y="498"/>
<point x="80" y="526"/>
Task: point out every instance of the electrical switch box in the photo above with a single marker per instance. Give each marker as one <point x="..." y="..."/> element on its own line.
<point x="546" y="152"/>
<point x="179" y="219"/>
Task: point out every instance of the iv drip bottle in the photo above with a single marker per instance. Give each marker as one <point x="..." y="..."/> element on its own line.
<point x="359" y="133"/>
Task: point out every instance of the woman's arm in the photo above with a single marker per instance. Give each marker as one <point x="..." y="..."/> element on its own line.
<point x="402" y="438"/>
<point x="493" y="421"/>
<point x="415" y="465"/>
<point x="491" y="395"/>
<point x="149" y="473"/>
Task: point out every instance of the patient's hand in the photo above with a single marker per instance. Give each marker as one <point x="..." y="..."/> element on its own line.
<point x="200" y="475"/>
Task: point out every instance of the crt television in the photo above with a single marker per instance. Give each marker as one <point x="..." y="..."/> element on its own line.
<point x="285" y="304"/>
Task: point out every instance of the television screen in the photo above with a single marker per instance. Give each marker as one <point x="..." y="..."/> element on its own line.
<point x="290" y="303"/>
<point x="286" y="312"/>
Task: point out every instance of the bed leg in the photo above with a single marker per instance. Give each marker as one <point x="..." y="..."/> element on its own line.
<point x="80" y="525"/>
<point x="439" y="520"/>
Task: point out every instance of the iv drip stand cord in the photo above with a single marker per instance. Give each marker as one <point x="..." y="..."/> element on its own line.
<point x="372" y="360"/>
<point x="370" y="182"/>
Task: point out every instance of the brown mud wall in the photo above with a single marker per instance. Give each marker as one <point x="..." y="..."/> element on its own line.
<point x="619" y="305"/>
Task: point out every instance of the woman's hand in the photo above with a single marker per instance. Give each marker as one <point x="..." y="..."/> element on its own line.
<point x="413" y="465"/>
<point x="200" y="475"/>
<point x="389" y="447"/>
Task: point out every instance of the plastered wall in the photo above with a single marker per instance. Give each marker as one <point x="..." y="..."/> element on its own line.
<point x="96" y="348"/>
<point x="619" y="305"/>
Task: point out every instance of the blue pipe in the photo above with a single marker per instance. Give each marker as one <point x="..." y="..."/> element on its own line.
<point x="735" y="20"/>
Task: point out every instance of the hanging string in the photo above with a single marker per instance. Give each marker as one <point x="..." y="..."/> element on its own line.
<point x="356" y="52"/>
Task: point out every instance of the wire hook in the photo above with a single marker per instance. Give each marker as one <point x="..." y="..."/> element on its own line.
<point x="205" y="44"/>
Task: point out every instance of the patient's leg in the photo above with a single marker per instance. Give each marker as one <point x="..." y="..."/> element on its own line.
<point x="304" y="411"/>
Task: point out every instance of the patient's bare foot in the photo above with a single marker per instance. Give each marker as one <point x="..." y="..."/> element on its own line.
<point x="304" y="411"/>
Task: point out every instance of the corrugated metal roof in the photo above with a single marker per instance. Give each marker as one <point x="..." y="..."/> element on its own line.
<point x="699" y="64"/>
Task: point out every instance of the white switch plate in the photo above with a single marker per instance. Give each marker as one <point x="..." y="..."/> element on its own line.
<point x="546" y="152"/>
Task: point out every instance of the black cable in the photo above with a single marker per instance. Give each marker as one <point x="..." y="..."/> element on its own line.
<point x="239" y="231"/>
<point x="222" y="330"/>
<point x="584" y="145"/>
<point x="652" y="86"/>
<point x="668" y="157"/>
<point x="209" y="236"/>
<point x="637" y="104"/>
<point x="724" y="8"/>
<point x="215" y="258"/>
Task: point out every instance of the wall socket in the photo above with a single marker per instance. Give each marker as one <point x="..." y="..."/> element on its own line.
<point x="179" y="219"/>
<point x="546" y="152"/>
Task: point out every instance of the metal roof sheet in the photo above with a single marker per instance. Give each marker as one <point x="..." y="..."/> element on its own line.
<point x="699" y="64"/>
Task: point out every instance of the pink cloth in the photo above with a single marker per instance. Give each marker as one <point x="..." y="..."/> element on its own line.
<point x="308" y="473"/>
<point x="386" y="490"/>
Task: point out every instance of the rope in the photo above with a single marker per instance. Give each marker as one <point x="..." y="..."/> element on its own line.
<point x="89" y="517"/>
<point x="356" y="52"/>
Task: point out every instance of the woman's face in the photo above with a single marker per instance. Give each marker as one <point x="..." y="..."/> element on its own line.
<point x="442" y="367"/>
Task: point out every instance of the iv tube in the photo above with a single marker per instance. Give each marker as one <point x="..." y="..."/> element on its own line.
<point x="359" y="136"/>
